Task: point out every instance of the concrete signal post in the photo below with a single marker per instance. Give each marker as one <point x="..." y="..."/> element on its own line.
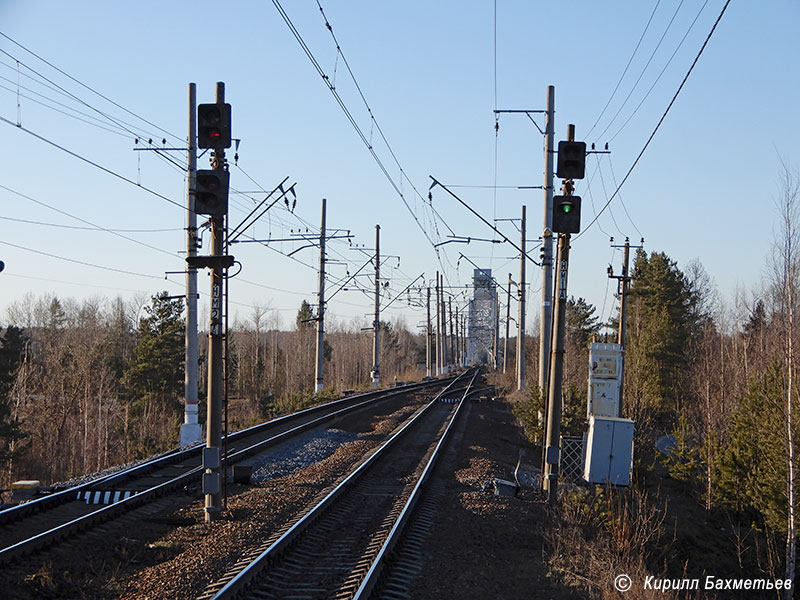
<point x="211" y="198"/>
<point x="566" y="221"/>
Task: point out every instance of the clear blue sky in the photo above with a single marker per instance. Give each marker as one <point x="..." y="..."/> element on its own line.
<point x="432" y="74"/>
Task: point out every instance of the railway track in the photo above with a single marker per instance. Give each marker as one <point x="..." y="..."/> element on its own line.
<point x="39" y="524"/>
<point x="338" y="548"/>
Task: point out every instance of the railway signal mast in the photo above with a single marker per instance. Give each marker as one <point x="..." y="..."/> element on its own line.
<point x="566" y="221"/>
<point x="211" y="198"/>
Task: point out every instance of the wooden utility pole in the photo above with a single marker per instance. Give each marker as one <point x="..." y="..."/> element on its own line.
<point x="623" y="320"/>
<point x="319" y="375"/>
<point x="624" y="288"/>
<point x="191" y="430"/>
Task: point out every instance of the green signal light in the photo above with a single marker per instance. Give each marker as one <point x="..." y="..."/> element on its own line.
<point x="566" y="207"/>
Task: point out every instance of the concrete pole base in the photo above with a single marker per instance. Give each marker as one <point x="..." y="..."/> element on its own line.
<point x="191" y="433"/>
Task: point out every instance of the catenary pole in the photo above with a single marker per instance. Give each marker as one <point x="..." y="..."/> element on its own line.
<point x="428" y="334"/>
<point x="545" y="326"/>
<point x="376" y="324"/>
<point x="319" y="375"/>
<point x="438" y="330"/>
<point x="508" y="323"/>
<point x="521" y="315"/>
<point x="452" y="344"/>
<point x="191" y="430"/>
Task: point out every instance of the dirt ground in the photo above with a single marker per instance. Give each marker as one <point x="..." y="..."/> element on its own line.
<point x="483" y="545"/>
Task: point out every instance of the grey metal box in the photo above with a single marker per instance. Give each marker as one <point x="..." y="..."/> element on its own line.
<point x="609" y="451"/>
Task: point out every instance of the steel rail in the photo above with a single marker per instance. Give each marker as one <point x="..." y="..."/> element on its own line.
<point x="244" y="578"/>
<point x="16" y="513"/>
<point x="376" y="570"/>
<point x="124" y="505"/>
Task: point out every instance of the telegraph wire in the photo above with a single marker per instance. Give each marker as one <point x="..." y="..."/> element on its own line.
<point x="625" y="208"/>
<point x="660" y="121"/>
<point x="371" y="114"/>
<point x="80" y="262"/>
<point x="62" y="90"/>
<point x="118" y="122"/>
<point x="91" y="162"/>
<point x="64" y="112"/>
<point x="78" y="283"/>
<point x="591" y="195"/>
<point x="649" y="60"/>
<point x="605" y="193"/>
<point x="621" y="77"/>
<point x="58" y="210"/>
<point x="351" y="119"/>
<point x="89" y="88"/>
<point x="93" y="228"/>
<point x="683" y="39"/>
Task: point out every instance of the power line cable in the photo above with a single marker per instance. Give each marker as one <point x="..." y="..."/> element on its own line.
<point x="91" y="162"/>
<point x="86" y="228"/>
<point x="625" y="208"/>
<point x="661" y="120"/>
<point x="80" y="262"/>
<point x="89" y="120"/>
<point x="58" y="210"/>
<point x="683" y="39"/>
<point x="107" y="99"/>
<point x="644" y="69"/>
<point x="621" y="77"/>
<point x="356" y="127"/>
<point x="371" y="114"/>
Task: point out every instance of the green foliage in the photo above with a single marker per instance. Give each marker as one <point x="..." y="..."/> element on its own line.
<point x="13" y="346"/>
<point x="582" y="323"/>
<point x="753" y="466"/>
<point x="662" y="322"/>
<point x="526" y="410"/>
<point x="153" y="383"/>
<point x="684" y="460"/>
<point x="157" y="366"/>
<point x="305" y="317"/>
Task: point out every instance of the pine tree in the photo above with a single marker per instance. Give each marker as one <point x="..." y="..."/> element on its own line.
<point x="752" y="474"/>
<point x="662" y="322"/>
<point x="13" y="345"/>
<point x="154" y="380"/>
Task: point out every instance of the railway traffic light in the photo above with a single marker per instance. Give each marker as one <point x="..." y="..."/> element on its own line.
<point x="211" y="192"/>
<point x="566" y="214"/>
<point x="213" y="125"/>
<point x="571" y="160"/>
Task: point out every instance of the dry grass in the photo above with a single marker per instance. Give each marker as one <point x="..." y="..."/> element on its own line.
<point x="603" y="533"/>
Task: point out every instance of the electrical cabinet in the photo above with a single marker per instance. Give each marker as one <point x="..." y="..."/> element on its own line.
<point x="609" y="451"/>
<point x="605" y="364"/>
